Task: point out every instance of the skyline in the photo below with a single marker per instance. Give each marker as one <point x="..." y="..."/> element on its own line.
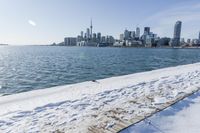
<point x="45" y="22"/>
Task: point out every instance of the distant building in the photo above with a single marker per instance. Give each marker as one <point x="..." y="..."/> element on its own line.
<point x="177" y="34"/>
<point x="79" y="38"/>
<point x="70" y="41"/>
<point x="132" y="34"/>
<point x="121" y="37"/>
<point x="199" y="35"/>
<point x="118" y="44"/>
<point x="88" y="33"/>
<point x="82" y="34"/>
<point x="98" y="37"/>
<point x="133" y="43"/>
<point x="163" y="42"/>
<point x="195" y="42"/>
<point x="188" y="41"/>
<point x="150" y="39"/>
<point x="126" y="34"/>
<point x="110" y="40"/>
<point x="146" y="30"/>
<point x="94" y="37"/>
<point x="91" y="29"/>
<point x="182" y="40"/>
<point x="137" y="32"/>
<point x="103" y="39"/>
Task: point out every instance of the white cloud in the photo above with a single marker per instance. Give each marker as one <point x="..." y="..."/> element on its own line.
<point x="163" y="22"/>
<point x="31" y="22"/>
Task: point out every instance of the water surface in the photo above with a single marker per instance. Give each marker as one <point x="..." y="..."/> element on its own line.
<point x="25" y="68"/>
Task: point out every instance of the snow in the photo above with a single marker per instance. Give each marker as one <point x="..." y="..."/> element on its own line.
<point x="76" y="107"/>
<point x="183" y="117"/>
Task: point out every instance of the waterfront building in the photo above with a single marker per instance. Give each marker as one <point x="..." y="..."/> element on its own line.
<point x="103" y="39"/>
<point x="110" y="40"/>
<point x="98" y="37"/>
<point x="177" y="34"/>
<point x="79" y="38"/>
<point x="195" y="42"/>
<point x="182" y="40"/>
<point x="150" y="39"/>
<point x="137" y="33"/>
<point x="146" y="36"/>
<point x="118" y="43"/>
<point x="85" y="36"/>
<point x="70" y="41"/>
<point x="146" y="30"/>
<point x="91" y="29"/>
<point x="188" y="41"/>
<point x="199" y="35"/>
<point x="126" y="34"/>
<point x="132" y="34"/>
<point x="82" y="34"/>
<point x="94" y="37"/>
<point x="121" y="37"/>
<point x="88" y="33"/>
<point x="133" y="43"/>
<point x="163" y="42"/>
<point x="129" y="34"/>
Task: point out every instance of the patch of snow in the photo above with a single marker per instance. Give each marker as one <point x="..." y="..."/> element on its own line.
<point x="180" y="118"/>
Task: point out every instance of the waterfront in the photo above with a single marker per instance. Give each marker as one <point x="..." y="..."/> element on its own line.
<point x="106" y="106"/>
<point x="24" y="68"/>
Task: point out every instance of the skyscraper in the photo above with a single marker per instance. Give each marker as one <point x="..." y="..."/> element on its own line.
<point x="132" y="34"/>
<point x="177" y="34"/>
<point x="137" y="32"/>
<point x="91" y="29"/>
<point x="88" y="33"/>
<point x="146" y="30"/>
<point x="199" y="35"/>
<point x="94" y="37"/>
<point x="98" y="37"/>
<point x="126" y="34"/>
<point x="82" y="34"/>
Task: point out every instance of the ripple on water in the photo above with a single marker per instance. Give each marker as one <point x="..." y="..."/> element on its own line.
<point x="27" y="68"/>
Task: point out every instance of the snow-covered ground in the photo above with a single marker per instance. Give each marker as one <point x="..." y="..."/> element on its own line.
<point x="100" y="105"/>
<point x="183" y="117"/>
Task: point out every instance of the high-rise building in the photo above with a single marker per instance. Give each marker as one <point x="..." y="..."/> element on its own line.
<point x="98" y="37"/>
<point x="132" y="34"/>
<point x="137" y="32"/>
<point x="103" y="39"/>
<point x="91" y="29"/>
<point x="94" y="37"/>
<point x="70" y="41"/>
<point x="82" y="34"/>
<point x="188" y="41"/>
<point x="88" y="33"/>
<point x="126" y="34"/>
<point x="199" y="35"/>
<point x="177" y="34"/>
<point x="129" y="34"/>
<point x="121" y="37"/>
<point x="146" y="30"/>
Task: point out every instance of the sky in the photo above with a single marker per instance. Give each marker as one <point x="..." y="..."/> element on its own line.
<point x="30" y="22"/>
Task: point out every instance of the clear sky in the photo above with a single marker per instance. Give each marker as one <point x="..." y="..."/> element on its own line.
<point x="48" y="21"/>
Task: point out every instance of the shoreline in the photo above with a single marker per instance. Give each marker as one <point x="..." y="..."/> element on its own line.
<point x="162" y="47"/>
<point x="115" y="102"/>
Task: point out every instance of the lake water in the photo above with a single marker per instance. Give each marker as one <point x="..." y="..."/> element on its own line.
<point x="25" y="68"/>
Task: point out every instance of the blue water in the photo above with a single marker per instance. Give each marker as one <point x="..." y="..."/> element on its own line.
<point x="25" y="68"/>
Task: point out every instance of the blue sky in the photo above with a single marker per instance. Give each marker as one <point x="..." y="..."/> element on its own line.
<point x="47" y="21"/>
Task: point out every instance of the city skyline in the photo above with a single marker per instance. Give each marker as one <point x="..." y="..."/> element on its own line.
<point x="45" y="22"/>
